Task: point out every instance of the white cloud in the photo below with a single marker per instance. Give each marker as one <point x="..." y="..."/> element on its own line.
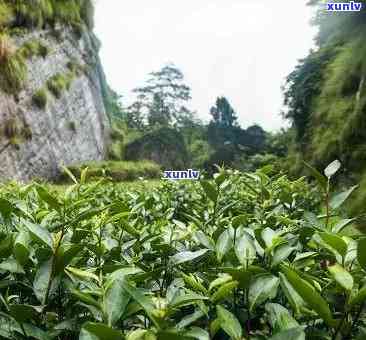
<point x="242" y="49"/>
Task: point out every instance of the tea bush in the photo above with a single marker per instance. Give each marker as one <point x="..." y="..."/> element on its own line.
<point x="243" y="256"/>
<point x="116" y="171"/>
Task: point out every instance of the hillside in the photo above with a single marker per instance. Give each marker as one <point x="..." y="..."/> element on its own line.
<point x="326" y="95"/>
<point x="51" y="82"/>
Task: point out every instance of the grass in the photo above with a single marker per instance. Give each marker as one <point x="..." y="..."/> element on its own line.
<point x="11" y="128"/>
<point x="59" y="83"/>
<point x="16" y="131"/>
<point x="116" y="171"/>
<point x="6" y="14"/>
<point x="13" y="69"/>
<point x="40" y="98"/>
<point x="19" y="14"/>
<point x="72" y="12"/>
<point x="337" y="122"/>
<point x="33" y="48"/>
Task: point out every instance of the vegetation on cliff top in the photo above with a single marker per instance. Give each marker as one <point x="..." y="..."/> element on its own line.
<point x="326" y="98"/>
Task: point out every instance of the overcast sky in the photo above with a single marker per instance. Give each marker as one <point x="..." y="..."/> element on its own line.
<point x="242" y="49"/>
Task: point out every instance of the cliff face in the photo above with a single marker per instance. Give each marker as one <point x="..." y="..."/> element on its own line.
<point x="66" y="122"/>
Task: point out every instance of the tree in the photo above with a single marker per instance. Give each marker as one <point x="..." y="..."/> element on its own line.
<point x="134" y="116"/>
<point x="223" y="114"/>
<point x="113" y="103"/>
<point x="163" y="99"/>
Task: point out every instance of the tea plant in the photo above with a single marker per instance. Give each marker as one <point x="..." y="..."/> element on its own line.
<point x="243" y="256"/>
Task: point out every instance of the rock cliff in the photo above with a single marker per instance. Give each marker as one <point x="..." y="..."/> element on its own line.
<point x="57" y="115"/>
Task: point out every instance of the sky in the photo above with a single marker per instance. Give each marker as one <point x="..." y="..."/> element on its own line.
<point x="240" y="49"/>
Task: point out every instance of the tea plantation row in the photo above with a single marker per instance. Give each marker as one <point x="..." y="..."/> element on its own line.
<point x="243" y="256"/>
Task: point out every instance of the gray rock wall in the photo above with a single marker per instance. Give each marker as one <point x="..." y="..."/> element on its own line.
<point x="71" y="129"/>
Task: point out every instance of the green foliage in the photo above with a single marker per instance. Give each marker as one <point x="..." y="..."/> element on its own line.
<point x="34" y="48"/>
<point x="40" y="98"/>
<point x="117" y="171"/>
<point x="162" y="101"/>
<point x="327" y="99"/>
<point x="16" y="131"/>
<point x="303" y="85"/>
<point x="243" y="255"/>
<point x="59" y="83"/>
<point x="6" y="14"/>
<point x="13" y="72"/>
<point x="37" y="14"/>
<point x="165" y="146"/>
<point x="13" y="68"/>
<point x="117" y="140"/>
<point x="223" y="114"/>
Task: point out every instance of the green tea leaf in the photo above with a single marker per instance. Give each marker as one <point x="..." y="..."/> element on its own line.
<point x="361" y="252"/>
<point x="309" y="294"/>
<point x="99" y="331"/>
<point x="245" y="249"/>
<point x="21" y="247"/>
<point x="186" y="299"/>
<point x="335" y="242"/>
<point x="359" y="298"/>
<point x="39" y="234"/>
<point x="290" y="334"/>
<point x="210" y="190"/>
<point x="342" y="276"/>
<point x="6" y="208"/>
<point x="337" y="201"/>
<point x="224" y="291"/>
<point x="262" y="288"/>
<point x="281" y="253"/>
<point x="224" y="244"/>
<point x="197" y="333"/>
<point x="12" y="266"/>
<point x="229" y="323"/>
<point x="295" y="300"/>
<point x="115" y="300"/>
<point x="322" y="181"/>
<point x="82" y="274"/>
<point x="280" y="318"/>
<point x="187" y="256"/>
<point x="48" y="198"/>
<point x="22" y="313"/>
<point x="42" y="281"/>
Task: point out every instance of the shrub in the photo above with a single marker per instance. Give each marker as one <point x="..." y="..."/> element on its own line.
<point x="34" y="48"/>
<point x="13" y="69"/>
<point x="117" y="171"/>
<point x="40" y="98"/>
<point x="58" y="84"/>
